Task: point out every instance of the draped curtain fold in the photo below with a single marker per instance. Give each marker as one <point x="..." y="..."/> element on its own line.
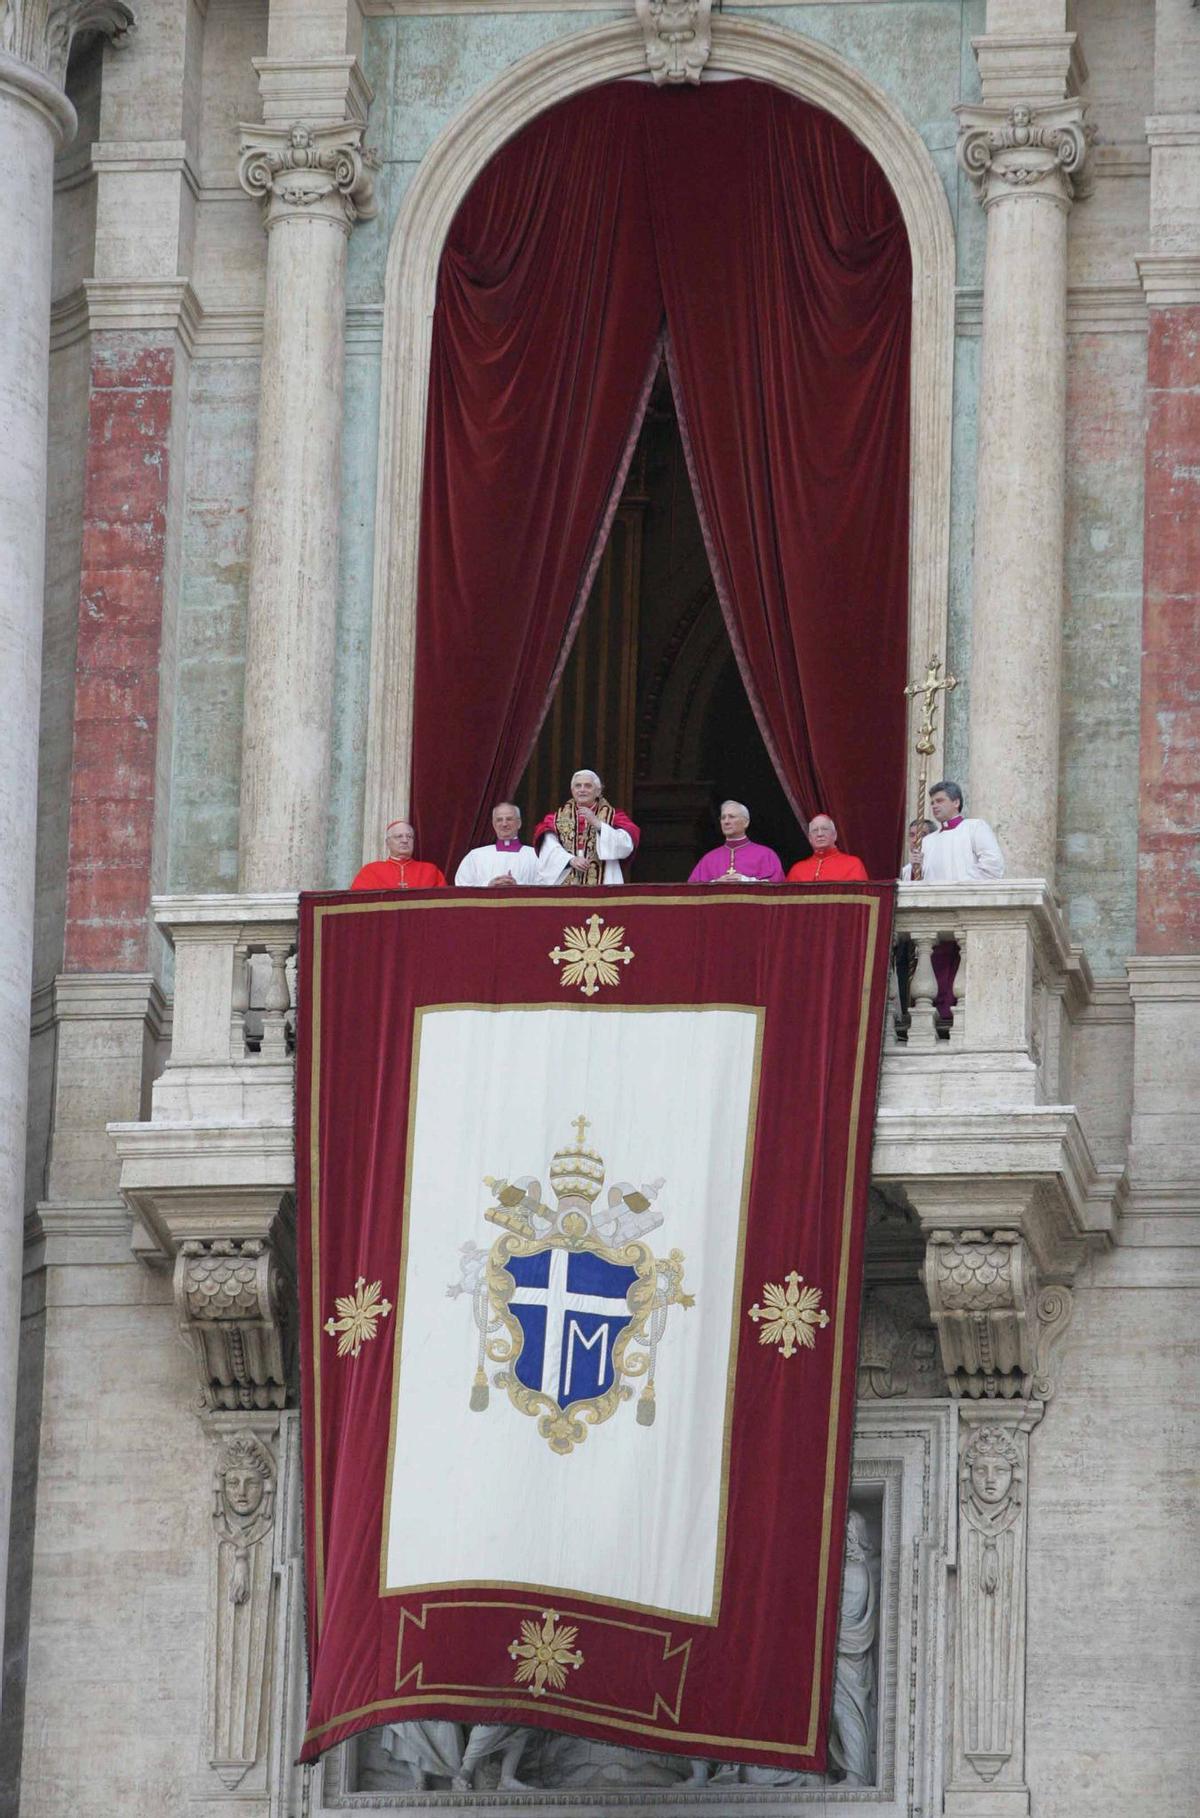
<point x="771" y="244"/>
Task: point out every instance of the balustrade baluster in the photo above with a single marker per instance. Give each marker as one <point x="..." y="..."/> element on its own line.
<point x="276" y="1003"/>
<point x="922" y="990"/>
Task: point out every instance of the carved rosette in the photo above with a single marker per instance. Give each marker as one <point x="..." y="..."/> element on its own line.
<point x="996" y="1326"/>
<point x="678" y="36"/>
<point x="310" y="172"/>
<point x="1022" y="150"/>
<point x="231" y="1298"/>
<point x="41" y="32"/>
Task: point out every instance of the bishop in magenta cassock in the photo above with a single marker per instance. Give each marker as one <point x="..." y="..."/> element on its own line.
<point x="827" y="865"/>
<point x="740" y="860"/>
<point x="399" y="870"/>
<point x="505" y="861"/>
<point x="585" y="840"/>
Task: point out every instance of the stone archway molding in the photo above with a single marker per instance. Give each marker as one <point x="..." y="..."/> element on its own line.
<point x="553" y="73"/>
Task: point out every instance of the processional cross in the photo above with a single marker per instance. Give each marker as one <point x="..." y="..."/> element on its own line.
<point x="928" y="689"/>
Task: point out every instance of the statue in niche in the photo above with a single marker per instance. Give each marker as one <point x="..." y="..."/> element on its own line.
<point x="243" y="1504"/>
<point x="855" y="1694"/>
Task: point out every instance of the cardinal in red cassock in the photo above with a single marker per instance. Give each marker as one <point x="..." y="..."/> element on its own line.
<point x="399" y="870"/>
<point x="827" y="865"/>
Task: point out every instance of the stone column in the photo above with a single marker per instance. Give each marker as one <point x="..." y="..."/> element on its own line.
<point x="316" y="182"/>
<point x="1022" y="159"/>
<point x="35" y="120"/>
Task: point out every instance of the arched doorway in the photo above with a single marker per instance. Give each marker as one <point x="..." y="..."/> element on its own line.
<point x="651" y="695"/>
<point x="740" y="47"/>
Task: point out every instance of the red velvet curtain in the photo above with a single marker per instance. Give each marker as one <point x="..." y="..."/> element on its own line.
<point x="772" y="244"/>
<point x="548" y="312"/>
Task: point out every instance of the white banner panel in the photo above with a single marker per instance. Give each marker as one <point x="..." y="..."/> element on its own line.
<point x="633" y="1514"/>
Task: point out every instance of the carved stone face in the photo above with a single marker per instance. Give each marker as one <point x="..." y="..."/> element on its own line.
<point x="991" y="1478"/>
<point x="243" y="1490"/>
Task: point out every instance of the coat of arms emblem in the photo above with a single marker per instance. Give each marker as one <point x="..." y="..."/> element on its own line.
<point x="571" y="1303"/>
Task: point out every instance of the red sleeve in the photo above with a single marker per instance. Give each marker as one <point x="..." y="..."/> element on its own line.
<point x="797" y="874"/>
<point x="621" y="819"/>
<point x="439" y="879"/>
<point x="858" y="875"/>
<point x="545" y="825"/>
<point x="365" y="881"/>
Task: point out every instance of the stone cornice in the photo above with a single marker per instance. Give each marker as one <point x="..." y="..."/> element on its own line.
<point x="1038" y="67"/>
<point x="147" y="305"/>
<point x="322" y="90"/>
<point x="137" y="155"/>
<point x="303" y="172"/>
<point x="1170" y="280"/>
<point x="1173" y="129"/>
<point x="1030" y="1169"/>
<point x="1024" y="149"/>
<point x="1174" y="977"/>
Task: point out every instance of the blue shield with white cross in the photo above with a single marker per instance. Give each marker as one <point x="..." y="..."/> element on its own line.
<point x="571" y="1308"/>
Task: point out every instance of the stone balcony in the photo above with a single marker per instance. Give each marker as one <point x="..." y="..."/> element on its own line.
<point x="978" y="1134"/>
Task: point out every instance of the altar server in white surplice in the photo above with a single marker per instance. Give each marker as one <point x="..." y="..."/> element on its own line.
<point x="505" y="861"/>
<point x="963" y="850"/>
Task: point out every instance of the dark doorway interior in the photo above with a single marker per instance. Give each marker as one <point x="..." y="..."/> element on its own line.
<point x="651" y="696"/>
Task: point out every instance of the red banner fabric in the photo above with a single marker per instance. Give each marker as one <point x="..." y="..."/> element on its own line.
<point x="581" y="1186"/>
<point x="767" y="240"/>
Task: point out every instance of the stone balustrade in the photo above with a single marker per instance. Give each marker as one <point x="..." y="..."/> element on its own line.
<point x="1019" y="987"/>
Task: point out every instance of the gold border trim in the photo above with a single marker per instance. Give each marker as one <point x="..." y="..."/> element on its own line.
<point x="634" y="1628"/>
<point x="557" y="1593"/>
<point x="800" y="901"/>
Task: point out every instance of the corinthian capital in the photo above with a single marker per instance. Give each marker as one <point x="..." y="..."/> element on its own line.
<point x="1025" y="150"/>
<point x="310" y="170"/>
<point x="40" y="32"/>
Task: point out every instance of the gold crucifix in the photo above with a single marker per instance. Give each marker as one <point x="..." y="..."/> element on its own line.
<point x="928" y="689"/>
<point x="582" y="1125"/>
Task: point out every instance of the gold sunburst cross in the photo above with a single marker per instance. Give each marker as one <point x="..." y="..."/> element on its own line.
<point x="360" y="1314"/>
<point x="544" y="1654"/>
<point x="790" y="1316"/>
<point x="589" y="956"/>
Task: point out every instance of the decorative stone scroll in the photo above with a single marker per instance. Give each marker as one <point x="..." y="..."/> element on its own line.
<point x="678" y="38"/>
<point x="311" y="170"/>
<point x="989" y="1728"/>
<point x="231" y="1296"/>
<point x="242" y="1598"/>
<point x="41" y="34"/>
<point x="1010" y="150"/>
<point x="996" y="1326"/>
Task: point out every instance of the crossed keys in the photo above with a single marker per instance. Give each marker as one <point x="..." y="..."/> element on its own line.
<point x="925" y="745"/>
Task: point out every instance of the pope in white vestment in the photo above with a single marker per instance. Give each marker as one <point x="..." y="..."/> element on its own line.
<point x="586" y="840"/>
<point x="505" y="861"/>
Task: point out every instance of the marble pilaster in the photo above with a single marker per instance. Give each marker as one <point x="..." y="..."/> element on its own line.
<point x="1025" y="157"/>
<point x="315" y="180"/>
<point x="35" y="119"/>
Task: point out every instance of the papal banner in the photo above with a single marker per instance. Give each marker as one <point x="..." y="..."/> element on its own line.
<point x="582" y="1182"/>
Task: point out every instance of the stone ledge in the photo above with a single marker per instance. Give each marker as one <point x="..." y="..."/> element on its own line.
<point x="1028" y="1169"/>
